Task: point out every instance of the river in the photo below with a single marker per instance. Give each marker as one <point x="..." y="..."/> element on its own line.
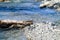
<point x="24" y="11"/>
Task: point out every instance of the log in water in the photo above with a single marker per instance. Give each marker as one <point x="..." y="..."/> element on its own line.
<point x="14" y="23"/>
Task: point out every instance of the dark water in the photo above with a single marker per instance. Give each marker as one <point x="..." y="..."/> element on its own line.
<point x="24" y="11"/>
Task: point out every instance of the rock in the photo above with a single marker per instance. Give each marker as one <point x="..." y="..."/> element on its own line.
<point x="14" y="23"/>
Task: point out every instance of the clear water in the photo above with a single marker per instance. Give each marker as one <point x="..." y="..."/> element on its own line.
<point x="24" y="11"/>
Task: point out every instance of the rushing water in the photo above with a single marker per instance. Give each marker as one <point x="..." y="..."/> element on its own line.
<point x="24" y="11"/>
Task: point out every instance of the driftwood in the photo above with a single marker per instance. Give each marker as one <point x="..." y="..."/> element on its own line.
<point x="46" y="4"/>
<point x="14" y="23"/>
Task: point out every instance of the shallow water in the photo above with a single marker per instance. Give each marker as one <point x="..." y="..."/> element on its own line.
<point x="24" y="11"/>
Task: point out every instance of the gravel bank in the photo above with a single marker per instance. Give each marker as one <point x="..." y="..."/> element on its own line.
<point x="42" y="31"/>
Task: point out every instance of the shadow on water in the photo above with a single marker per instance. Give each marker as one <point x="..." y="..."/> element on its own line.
<point x="12" y="34"/>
